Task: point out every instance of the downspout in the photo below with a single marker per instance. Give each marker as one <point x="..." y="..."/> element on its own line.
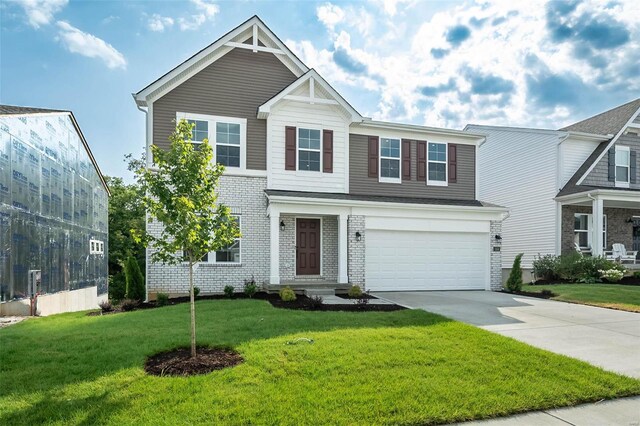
<point x="146" y="221"/>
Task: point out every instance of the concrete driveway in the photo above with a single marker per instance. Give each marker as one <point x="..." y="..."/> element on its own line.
<point x="604" y="337"/>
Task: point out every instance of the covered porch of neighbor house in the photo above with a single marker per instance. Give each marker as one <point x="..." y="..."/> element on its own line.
<point x="593" y="221"/>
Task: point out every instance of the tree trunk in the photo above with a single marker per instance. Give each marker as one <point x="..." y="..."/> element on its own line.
<point x="193" y="312"/>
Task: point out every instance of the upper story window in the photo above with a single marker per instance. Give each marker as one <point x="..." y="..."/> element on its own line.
<point x="96" y="247"/>
<point x="623" y="165"/>
<point x="227" y="136"/>
<point x="437" y="164"/>
<point x="389" y="160"/>
<point x="309" y="153"/>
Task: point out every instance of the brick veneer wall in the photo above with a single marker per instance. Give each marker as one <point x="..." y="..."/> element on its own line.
<point x="618" y="229"/>
<point x="356" y="250"/>
<point x="496" y="256"/>
<point x="245" y="195"/>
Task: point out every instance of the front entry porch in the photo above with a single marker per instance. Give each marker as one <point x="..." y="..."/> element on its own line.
<point x="594" y="221"/>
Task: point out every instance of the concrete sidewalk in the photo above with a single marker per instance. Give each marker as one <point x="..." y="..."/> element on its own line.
<point x="624" y="412"/>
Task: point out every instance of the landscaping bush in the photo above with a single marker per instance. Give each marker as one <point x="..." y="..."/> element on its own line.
<point x="106" y="306"/>
<point x="228" y="291"/>
<point x="117" y="286"/>
<point x="316" y="302"/>
<point x="128" y="305"/>
<point x="636" y="274"/>
<point x="196" y="291"/>
<point x="250" y="287"/>
<point x="287" y="295"/>
<point x="546" y="267"/>
<point x="135" y="280"/>
<point x="355" y="291"/>
<point x="514" y="282"/>
<point x="611" y="275"/>
<point x="162" y="299"/>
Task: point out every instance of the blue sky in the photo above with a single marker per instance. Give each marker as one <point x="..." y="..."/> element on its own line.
<point x="518" y="63"/>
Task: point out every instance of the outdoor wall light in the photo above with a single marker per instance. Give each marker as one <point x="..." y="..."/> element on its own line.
<point x="282" y="225"/>
<point x="358" y="236"/>
<point x="498" y="237"/>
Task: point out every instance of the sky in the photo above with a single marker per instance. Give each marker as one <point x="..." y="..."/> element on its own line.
<point x="444" y="64"/>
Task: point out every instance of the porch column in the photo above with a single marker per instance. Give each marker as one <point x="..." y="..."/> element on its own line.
<point x="598" y="226"/>
<point x="274" y="220"/>
<point x="343" y="236"/>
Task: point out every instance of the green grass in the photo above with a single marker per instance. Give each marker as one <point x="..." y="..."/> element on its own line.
<point x="405" y="367"/>
<point x="625" y="297"/>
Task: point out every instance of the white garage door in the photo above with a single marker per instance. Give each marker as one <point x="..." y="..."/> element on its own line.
<point x="407" y="260"/>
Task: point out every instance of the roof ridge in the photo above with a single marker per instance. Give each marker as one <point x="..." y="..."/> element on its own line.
<point x="608" y="113"/>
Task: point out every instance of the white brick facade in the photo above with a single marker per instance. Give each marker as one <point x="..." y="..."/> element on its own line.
<point x="356" y="250"/>
<point x="244" y="195"/>
<point x="496" y="256"/>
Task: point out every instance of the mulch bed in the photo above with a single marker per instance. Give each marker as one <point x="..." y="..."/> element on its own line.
<point x="178" y="362"/>
<point x="532" y="294"/>
<point x="346" y="296"/>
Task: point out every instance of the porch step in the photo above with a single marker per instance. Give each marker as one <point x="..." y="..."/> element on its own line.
<point x="310" y="292"/>
<point x="302" y="287"/>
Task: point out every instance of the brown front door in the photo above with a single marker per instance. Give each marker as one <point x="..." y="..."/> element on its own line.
<point x="308" y="247"/>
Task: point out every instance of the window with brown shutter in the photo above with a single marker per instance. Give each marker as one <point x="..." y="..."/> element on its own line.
<point x="453" y="163"/>
<point x="422" y="161"/>
<point x="327" y="151"/>
<point x="290" y="148"/>
<point x="406" y="159"/>
<point x="373" y="157"/>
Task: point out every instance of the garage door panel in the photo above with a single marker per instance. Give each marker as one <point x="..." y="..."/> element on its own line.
<point x="404" y="260"/>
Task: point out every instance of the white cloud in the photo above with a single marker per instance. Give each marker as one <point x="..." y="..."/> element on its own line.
<point x="77" y="41"/>
<point x="41" y="12"/>
<point x="192" y="23"/>
<point x="159" y="23"/>
<point x="330" y="15"/>
<point x="390" y="7"/>
<point x="207" y="10"/>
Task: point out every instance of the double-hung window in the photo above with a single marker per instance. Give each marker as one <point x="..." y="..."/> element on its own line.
<point x="226" y="135"/>
<point x="437" y="164"/>
<point x="309" y="147"/>
<point x="623" y="165"/>
<point x="389" y="160"/>
<point x="583" y="224"/>
<point x="229" y="255"/>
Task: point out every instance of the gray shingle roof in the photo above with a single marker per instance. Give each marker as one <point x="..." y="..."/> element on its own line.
<point x="13" y="109"/>
<point x="378" y="198"/>
<point x="606" y="123"/>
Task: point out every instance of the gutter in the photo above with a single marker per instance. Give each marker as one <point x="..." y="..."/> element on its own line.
<point x="367" y="122"/>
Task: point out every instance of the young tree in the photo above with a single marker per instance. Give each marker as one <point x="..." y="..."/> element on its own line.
<point x="135" y="288"/>
<point x="180" y="193"/>
<point x="514" y="282"/>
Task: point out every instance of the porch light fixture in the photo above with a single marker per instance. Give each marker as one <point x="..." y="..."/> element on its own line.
<point x="282" y="225"/>
<point x="498" y="237"/>
<point x="358" y="236"/>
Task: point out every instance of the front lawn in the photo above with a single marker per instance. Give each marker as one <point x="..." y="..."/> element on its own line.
<point x="404" y="367"/>
<point x="625" y="297"/>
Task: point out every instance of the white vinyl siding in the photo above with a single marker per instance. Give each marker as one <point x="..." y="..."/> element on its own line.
<point x="518" y="169"/>
<point x="573" y="153"/>
<point x="306" y="116"/>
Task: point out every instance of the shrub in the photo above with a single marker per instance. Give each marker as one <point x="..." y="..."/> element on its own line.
<point x="355" y="291"/>
<point x="585" y="269"/>
<point x="128" y="305"/>
<point x="117" y="286"/>
<point x="287" y="295"/>
<point x="106" y="306"/>
<point x="162" y="299"/>
<point x="250" y="287"/>
<point x="196" y="291"/>
<point x="228" y="291"/>
<point x="514" y="282"/>
<point x="636" y="274"/>
<point x="611" y="275"/>
<point x="135" y="280"/>
<point x="546" y="267"/>
<point x="316" y="302"/>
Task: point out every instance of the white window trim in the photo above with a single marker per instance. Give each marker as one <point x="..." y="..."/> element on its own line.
<point x="211" y="256"/>
<point x="380" y="157"/>
<point x="623" y="184"/>
<point x="308" y="126"/>
<point x="96" y="246"/>
<point x="444" y="182"/>
<point x="212" y="120"/>
<point x="589" y="229"/>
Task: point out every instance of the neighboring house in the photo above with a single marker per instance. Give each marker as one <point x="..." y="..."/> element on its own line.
<point x="562" y="186"/>
<point x="53" y="214"/>
<point x="323" y="195"/>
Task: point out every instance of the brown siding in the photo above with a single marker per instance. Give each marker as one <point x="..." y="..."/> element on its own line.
<point x="234" y="86"/>
<point x="361" y="183"/>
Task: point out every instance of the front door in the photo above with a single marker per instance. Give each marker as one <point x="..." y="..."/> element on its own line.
<point x="307" y="246"/>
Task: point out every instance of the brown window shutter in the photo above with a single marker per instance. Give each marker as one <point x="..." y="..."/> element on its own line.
<point x="422" y="161"/>
<point x="290" y="148"/>
<point x="327" y="151"/>
<point x="373" y="157"/>
<point x="406" y="159"/>
<point x="453" y="163"/>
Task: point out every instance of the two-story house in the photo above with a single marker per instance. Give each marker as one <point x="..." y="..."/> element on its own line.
<point x="570" y="189"/>
<point x="323" y="194"/>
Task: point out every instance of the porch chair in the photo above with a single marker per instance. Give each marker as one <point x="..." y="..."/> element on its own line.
<point x="582" y="251"/>
<point x="620" y="252"/>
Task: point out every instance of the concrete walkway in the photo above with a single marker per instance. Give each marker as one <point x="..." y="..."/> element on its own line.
<point x="624" y="411"/>
<point x="604" y="337"/>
